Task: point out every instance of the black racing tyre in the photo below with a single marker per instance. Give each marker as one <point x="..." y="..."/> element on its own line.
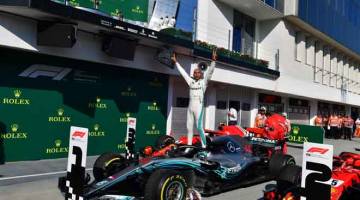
<point x="164" y="141"/>
<point x="291" y="174"/>
<point x="108" y="164"/>
<point x="278" y="161"/>
<point x="166" y="185"/>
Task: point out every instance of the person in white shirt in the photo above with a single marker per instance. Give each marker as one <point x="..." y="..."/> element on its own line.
<point x="232" y="117"/>
<point x="160" y="23"/>
<point x="287" y="121"/>
<point x="197" y="85"/>
<point x="165" y="23"/>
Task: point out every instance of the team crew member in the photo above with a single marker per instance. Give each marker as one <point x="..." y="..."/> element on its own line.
<point x="287" y="122"/>
<point x="197" y="85"/>
<point x="348" y="124"/>
<point x="357" y="129"/>
<point x="260" y="118"/>
<point x="319" y="120"/>
<point x="340" y="132"/>
<point x="325" y="119"/>
<point x="232" y="115"/>
<point x="334" y="125"/>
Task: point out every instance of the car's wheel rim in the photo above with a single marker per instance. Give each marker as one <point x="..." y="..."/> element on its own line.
<point x="175" y="191"/>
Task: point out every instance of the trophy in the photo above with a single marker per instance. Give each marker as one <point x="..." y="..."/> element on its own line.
<point x="203" y="66"/>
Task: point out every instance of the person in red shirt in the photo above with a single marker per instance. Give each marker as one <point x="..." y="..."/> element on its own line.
<point x="348" y="124"/>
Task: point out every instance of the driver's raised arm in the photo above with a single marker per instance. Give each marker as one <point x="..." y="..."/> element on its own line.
<point x="209" y="72"/>
<point x="181" y="69"/>
<point x="183" y="73"/>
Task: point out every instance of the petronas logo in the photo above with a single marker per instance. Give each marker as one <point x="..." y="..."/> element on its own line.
<point x="17" y="93"/>
<point x="129" y="89"/>
<point x="98" y="99"/>
<point x="60" y="112"/>
<point x="96" y="127"/>
<point x="127" y="114"/>
<point x="154" y="104"/>
<point x="14" y="127"/>
<point x="153" y="127"/>
<point x="57" y="143"/>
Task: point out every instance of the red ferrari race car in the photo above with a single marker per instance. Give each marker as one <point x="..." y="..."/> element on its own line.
<point x="275" y="130"/>
<point x="345" y="181"/>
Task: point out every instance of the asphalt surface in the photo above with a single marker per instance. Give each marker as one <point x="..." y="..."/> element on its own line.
<point x="37" y="180"/>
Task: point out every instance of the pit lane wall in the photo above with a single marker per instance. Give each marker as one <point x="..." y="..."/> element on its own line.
<point x="305" y="133"/>
<point x="42" y="96"/>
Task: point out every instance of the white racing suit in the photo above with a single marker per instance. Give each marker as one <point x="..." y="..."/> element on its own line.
<point x="195" y="111"/>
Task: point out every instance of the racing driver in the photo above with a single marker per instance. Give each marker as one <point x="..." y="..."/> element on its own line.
<point x="197" y="85"/>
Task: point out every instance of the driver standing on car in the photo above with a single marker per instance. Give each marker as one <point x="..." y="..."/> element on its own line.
<point x="197" y="85"/>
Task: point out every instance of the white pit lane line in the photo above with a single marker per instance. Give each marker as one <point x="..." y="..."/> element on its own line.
<point x="36" y="175"/>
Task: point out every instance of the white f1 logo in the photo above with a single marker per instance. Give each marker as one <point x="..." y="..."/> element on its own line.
<point x="57" y="73"/>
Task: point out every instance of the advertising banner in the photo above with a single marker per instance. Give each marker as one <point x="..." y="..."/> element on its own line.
<point x="305" y="133"/>
<point x="316" y="171"/>
<point x="42" y="96"/>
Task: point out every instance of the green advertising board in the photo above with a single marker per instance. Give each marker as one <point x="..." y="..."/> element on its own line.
<point x="305" y="133"/>
<point x="135" y="10"/>
<point x="42" y="96"/>
<point x="82" y="3"/>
